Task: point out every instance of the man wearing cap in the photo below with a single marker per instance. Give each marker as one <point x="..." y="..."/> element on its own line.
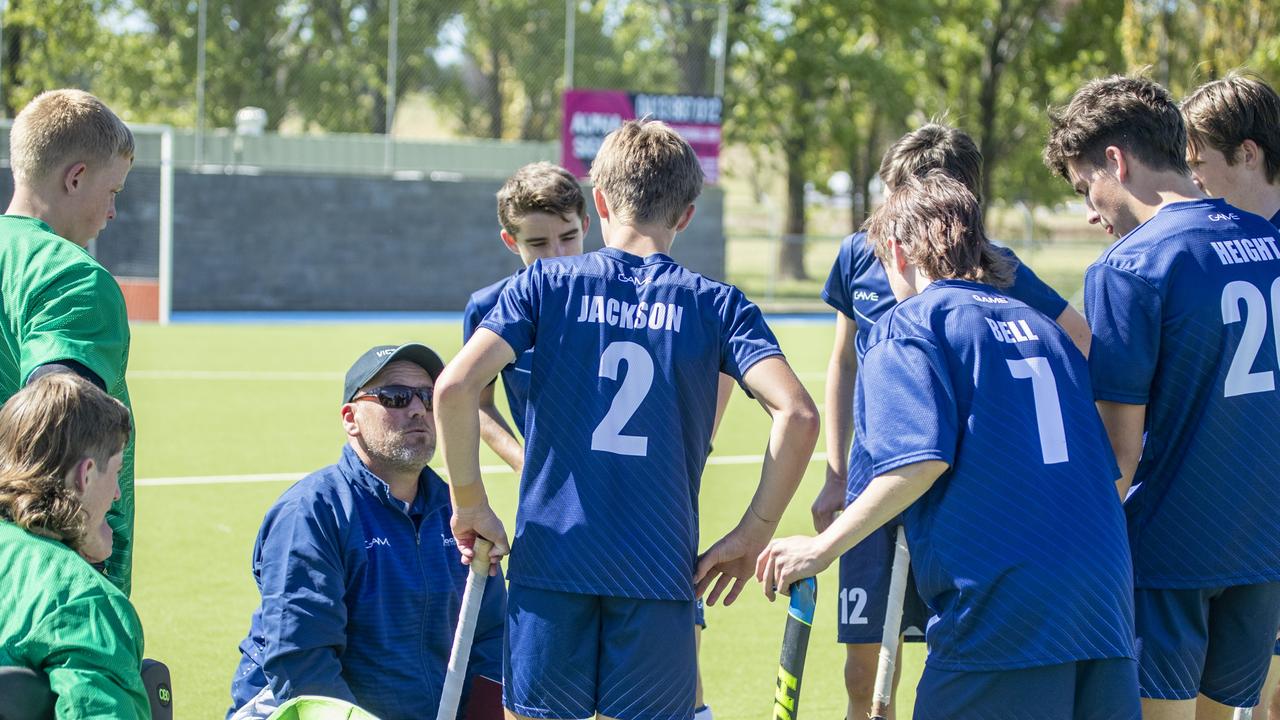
<point x="360" y="577"/>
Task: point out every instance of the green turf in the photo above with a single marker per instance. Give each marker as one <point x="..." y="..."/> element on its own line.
<point x="279" y="414"/>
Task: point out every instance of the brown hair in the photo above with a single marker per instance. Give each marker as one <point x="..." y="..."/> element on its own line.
<point x="45" y="430"/>
<point x="60" y="127"/>
<point x="1132" y="113"/>
<point x="934" y="147"/>
<point x="539" y="187"/>
<point x="648" y="173"/>
<point x="1224" y="113"/>
<point x="938" y="223"/>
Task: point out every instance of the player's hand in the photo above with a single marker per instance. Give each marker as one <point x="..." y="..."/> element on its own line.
<point x="787" y="560"/>
<point x="726" y="565"/>
<point x="830" y="501"/>
<point x="481" y="521"/>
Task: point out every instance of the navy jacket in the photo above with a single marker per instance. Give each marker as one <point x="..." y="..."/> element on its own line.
<point x="357" y="604"/>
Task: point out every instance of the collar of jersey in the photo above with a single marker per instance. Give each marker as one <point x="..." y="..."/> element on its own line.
<point x="956" y="282"/>
<point x="430" y="485"/>
<point x="38" y="222"/>
<point x="630" y="259"/>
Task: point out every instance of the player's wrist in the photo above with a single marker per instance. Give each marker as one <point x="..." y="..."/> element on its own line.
<point x="469" y="499"/>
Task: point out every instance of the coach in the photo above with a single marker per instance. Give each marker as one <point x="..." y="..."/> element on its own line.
<point x="360" y="577"/>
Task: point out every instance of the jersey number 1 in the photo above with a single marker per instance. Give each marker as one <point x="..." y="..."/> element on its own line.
<point x="1044" y="389"/>
<point x="608" y="437"/>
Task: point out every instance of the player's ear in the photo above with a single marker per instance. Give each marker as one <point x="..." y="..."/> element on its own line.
<point x="602" y="204"/>
<point x="1251" y="154"/>
<point x="586" y="225"/>
<point x="73" y="178"/>
<point x="685" y="218"/>
<point x="78" y="476"/>
<point x="900" y="260"/>
<point x="1117" y="162"/>
<point x="509" y="240"/>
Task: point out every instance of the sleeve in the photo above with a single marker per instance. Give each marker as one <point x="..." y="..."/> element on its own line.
<point x="486" y="647"/>
<point x="1030" y="289"/>
<point x="910" y="407"/>
<point x="304" y="619"/>
<point x="514" y="317"/>
<point x="91" y="649"/>
<point x="836" y="292"/>
<point x="78" y="316"/>
<point x="745" y="337"/>
<point x="1124" y="312"/>
<point x="471" y="318"/>
<point x="68" y="366"/>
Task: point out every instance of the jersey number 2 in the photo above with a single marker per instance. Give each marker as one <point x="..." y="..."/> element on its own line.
<point x="1044" y="389"/>
<point x="608" y="437"/>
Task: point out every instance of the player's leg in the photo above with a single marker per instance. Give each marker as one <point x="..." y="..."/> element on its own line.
<point x="1239" y="655"/>
<point x="647" y="667"/>
<point x="701" y="711"/>
<point x="550" y="654"/>
<point x="861" y="605"/>
<point x="1269" y="706"/>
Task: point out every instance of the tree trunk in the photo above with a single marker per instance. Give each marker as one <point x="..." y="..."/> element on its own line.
<point x="493" y="90"/>
<point x="12" y="62"/>
<point x="791" y="252"/>
<point x="693" y="48"/>
<point x="870" y="165"/>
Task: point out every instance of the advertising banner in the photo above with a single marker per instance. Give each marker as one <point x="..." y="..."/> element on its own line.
<point x="589" y="115"/>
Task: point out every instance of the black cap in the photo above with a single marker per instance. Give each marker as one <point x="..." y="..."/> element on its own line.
<point x="376" y="358"/>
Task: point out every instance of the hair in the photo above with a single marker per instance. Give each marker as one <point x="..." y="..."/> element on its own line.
<point x="933" y="147"/>
<point x="60" y="127"/>
<point x="1224" y="113"/>
<point x="648" y="173"/>
<point x="539" y="187"/>
<point x="46" y="429"/>
<point x="938" y="223"/>
<point x="1133" y="113"/>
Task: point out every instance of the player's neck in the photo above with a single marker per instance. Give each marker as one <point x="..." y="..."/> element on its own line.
<point x="1261" y="199"/>
<point x="1161" y="189"/>
<point x="31" y="204"/>
<point x="640" y="240"/>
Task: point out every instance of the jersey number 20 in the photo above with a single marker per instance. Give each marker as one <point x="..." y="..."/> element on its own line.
<point x="608" y="437"/>
<point x="1240" y="379"/>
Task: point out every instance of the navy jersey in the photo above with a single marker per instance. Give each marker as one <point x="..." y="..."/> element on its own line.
<point x="621" y="404"/>
<point x="1184" y="312"/>
<point x="515" y="377"/>
<point x="1019" y="548"/>
<point x="859" y="287"/>
<point x="1275" y="219"/>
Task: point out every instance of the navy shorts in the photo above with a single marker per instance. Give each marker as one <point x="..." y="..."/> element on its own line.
<point x="1216" y="642"/>
<point x="569" y="656"/>
<point x="865" y="571"/>
<point x="1085" y="690"/>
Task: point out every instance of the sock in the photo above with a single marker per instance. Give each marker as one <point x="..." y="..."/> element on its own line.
<point x="702" y="713"/>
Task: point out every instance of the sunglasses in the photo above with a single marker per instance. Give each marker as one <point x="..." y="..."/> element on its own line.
<point x="397" y="396"/>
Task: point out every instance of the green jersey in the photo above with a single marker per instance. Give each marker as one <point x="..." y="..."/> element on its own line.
<point x="56" y="304"/>
<point x="61" y="617"/>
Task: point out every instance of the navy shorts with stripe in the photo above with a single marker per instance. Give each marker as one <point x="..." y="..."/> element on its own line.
<point x="570" y="656"/>
<point x="1216" y="642"/>
<point x="865" y="571"/>
<point x="1085" y="690"/>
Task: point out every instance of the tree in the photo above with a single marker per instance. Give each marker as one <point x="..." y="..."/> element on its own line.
<point x="50" y="44"/>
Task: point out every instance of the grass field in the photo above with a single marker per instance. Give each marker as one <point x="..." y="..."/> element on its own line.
<point x="218" y="401"/>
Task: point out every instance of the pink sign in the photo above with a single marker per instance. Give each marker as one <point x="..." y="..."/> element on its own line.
<point x="589" y="115"/>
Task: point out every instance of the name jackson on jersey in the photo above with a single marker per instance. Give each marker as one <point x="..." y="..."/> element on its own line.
<point x="619" y="313"/>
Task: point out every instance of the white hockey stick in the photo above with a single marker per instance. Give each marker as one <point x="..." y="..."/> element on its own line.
<point x="892" y="628"/>
<point x="451" y="693"/>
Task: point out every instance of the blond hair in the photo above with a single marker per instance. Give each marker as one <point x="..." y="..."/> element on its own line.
<point x="46" y="429"/>
<point x="61" y="127"/>
<point x="539" y="187"/>
<point x="648" y="173"/>
<point x="938" y="223"/>
<point x="1222" y="114"/>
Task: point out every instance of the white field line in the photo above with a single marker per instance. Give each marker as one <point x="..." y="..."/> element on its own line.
<point x="484" y="470"/>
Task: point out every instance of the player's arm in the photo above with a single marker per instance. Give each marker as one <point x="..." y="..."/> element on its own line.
<point x="77" y="321"/>
<point x="1077" y="329"/>
<point x="787" y="560"/>
<point x="724" y="391"/>
<point x="457" y="408"/>
<point x="91" y="650"/>
<point x="842" y="372"/>
<point x="729" y="562"/>
<point x="496" y="433"/>
<point x="1124" y="424"/>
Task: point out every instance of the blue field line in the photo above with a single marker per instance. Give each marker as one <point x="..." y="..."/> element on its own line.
<point x="285" y="317"/>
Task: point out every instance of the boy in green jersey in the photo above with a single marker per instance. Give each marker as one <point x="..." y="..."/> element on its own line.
<point x="61" y="448"/>
<point x="61" y="311"/>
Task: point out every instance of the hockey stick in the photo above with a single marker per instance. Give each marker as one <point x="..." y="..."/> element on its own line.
<point x="892" y="628"/>
<point x="451" y="693"/>
<point x="795" y="643"/>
